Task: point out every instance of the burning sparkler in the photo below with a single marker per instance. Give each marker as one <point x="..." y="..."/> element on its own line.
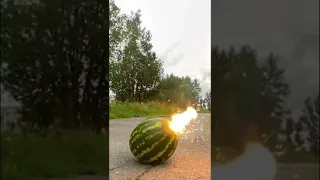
<point x="179" y="121"/>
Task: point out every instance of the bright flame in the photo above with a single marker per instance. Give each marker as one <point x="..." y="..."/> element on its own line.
<point x="181" y="120"/>
<point x="257" y="163"/>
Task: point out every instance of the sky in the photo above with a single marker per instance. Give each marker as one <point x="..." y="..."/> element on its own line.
<point x="289" y="28"/>
<point x="181" y="33"/>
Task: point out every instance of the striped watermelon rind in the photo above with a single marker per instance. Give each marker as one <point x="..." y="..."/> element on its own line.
<point x="152" y="141"/>
<point x="155" y="118"/>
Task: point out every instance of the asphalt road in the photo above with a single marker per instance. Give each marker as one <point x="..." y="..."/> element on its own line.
<point x="190" y="161"/>
<point x="302" y="171"/>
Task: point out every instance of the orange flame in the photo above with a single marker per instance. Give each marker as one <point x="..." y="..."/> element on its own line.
<point x="181" y="120"/>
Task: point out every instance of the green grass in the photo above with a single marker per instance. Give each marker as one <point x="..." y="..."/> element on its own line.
<point x="129" y="110"/>
<point x="71" y="154"/>
<point x="204" y="111"/>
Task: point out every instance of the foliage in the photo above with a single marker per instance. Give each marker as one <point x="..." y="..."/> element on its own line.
<point x="304" y="133"/>
<point x="245" y="93"/>
<point x="135" y="71"/>
<point x="207" y="99"/>
<point x="276" y="90"/>
<point x="310" y="121"/>
<point x="54" y="59"/>
<point x="179" y="90"/>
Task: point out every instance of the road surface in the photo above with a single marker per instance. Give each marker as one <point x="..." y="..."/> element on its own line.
<point x="302" y="171"/>
<point x="192" y="159"/>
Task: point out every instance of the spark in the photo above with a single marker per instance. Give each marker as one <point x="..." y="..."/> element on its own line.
<point x="179" y="121"/>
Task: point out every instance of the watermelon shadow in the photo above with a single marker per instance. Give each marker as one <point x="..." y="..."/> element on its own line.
<point x="154" y="164"/>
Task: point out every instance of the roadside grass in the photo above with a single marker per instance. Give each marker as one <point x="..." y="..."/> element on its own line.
<point x="204" y="111"/>
<point x="128" y="110"/>
<point x="32" y="156"/>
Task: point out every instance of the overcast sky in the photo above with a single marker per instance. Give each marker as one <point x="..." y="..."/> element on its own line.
<point x="289" y="28"/>
<point x="180" y="34"/>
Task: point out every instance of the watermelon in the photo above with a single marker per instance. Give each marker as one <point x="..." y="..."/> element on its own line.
<point x="152" y="141"/>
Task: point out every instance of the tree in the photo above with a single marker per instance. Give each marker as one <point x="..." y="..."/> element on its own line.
<point x="116" y="31"/>
<point x="276" y="89"/>
<point x="54" y="55"/>
<point x="181" y="91"/>
<point x="196" y="91"/>
<point x="207" y="99"/>
<point x="202" y="103"/>
<point x="310" y="119"/>
<point x="136" y="72"/>
<point x="221" y="65"/>
<point x="245" y="95"/>
<point x="297" y="136"/>
<point x="235" y="98"/>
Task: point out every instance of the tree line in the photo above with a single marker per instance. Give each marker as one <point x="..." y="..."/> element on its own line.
<point x="250" y="91"/>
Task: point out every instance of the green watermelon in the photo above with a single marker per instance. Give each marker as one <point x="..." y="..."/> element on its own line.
<point x="152" y="141"/>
